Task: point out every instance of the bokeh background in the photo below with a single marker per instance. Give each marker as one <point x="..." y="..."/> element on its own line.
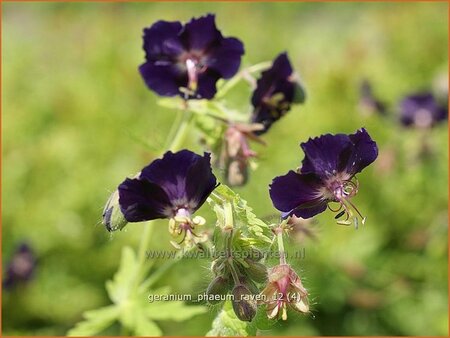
<point x="77" y="118"/>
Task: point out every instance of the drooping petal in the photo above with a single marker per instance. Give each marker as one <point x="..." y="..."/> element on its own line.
<point x="323" y="154"/>
<point x="299" y="193"/>
<point x="307" y="211"/>
<point x="200" y="181"/>
<point x="226" y="57"/>
<point x="162" y="42"/>
<point x="142" y="200"/>
<point x="364" y="152"/>
<point x="163" y="78"/>
<point x="200" y="33"/>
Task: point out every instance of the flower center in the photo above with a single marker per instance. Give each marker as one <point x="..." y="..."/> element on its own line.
<point x="193" y="63"/>
<point x="183" y="225"/>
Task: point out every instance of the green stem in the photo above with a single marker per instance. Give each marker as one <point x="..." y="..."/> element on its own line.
<point x="180" y="135"/>
<point x="228" y="209"/>
<point x="281" y="247"/>
<point x="229" y="251"/>
<point x="175" y="143"/>
<point x="160" y="271"/>
<point x="143" y="245"/>
<point x="240" y="76"/>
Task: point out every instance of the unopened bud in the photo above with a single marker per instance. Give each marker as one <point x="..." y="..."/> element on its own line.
<point x="256" y="271"/>
<point x="113" y="218"/>
<point x="299" y="92"/>
<point x="244" y="303"/>
<point x="217" y="288"/>
<point x="255" y="255"/>
<point x="248" y="283"/>
<point x="217" y="266"/>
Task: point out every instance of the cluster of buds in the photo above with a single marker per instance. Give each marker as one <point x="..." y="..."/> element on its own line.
<point x="238" y="276"/>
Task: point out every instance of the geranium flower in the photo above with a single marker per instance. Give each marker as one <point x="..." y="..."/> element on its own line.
<point x="173" y="187"/>
<point x="422" y="110"/>
<point x="327" y="175"/>
<point x="275" y="91"/>
<point x="284" y="289"/>
<point x="188" y="60"/>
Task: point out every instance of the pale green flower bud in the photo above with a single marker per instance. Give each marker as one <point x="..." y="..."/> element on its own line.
<point x="113" y="219"/>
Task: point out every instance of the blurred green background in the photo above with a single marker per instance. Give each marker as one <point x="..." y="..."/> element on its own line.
<point x="74" y="107"/>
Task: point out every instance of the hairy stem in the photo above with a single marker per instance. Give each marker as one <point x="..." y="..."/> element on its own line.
<point x="175" y="142"/>
<point x="242" y="75"/>
<point x="281" y="251"/>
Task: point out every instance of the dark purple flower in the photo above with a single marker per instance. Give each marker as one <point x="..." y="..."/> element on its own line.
<point x="173" y="187"/>
<point x="188" y="60"/>
<point x="368" y="102"/>
<point x="21" y="266"/>
<point x="327" y="175"/>
<point x="275" y="91"/>
<point x="422" y="110"/>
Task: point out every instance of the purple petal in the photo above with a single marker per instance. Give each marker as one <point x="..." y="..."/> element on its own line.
<point x="275" y="80"/>
<point x="165" y="79"/>
<point x="171" y="171"/>
<point x="162" y="42"/>
<point x="364" y="152"/>
<point x="306" y="212"/>
<point x="272" y="78"/>
<point x="141" y="200"/>
<point x="200" y="181"/>
<point x="207" y="85"/>
<point x="201" y="33"/>
<point x="226" y="58"/>
<point x="326" y="155"/>
<point x="298" y="193"/>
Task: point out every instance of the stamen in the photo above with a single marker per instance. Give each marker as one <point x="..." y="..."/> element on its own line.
<point x="340" y="214"/>
<point x="182" y="224"/>
<point x="192" y="74"/>
<point x="356" y="209"/>
<point x="335" y="210"/>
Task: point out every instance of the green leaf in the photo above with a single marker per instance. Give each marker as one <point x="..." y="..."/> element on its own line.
<point x="174" y="310"/>
<point x="144" y="326"/>
<point x="95" y="321"/>
<point x="254" y="231"/>
<point x="227" y="324"/>
<point x="121" y="286"/>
